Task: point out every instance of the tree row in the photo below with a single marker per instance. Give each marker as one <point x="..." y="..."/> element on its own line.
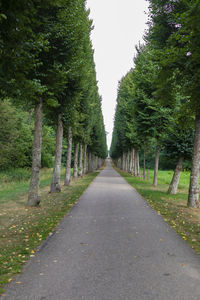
<point x="158" y="104"/>
<point x="48" y="69"/>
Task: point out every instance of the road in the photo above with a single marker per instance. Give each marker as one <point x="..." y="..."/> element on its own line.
<point x="111" y="246"/>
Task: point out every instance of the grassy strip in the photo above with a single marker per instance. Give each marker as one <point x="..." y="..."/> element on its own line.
<point x="19" y="174"/>
<point x="173" y="208"/>
<point x="14" y="190"/>
<point x="28" y="227"/>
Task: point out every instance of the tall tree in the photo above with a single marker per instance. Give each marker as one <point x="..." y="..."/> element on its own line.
<point x="175" y="33"/>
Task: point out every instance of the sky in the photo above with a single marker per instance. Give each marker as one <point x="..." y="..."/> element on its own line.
<point x="118" y="26"/>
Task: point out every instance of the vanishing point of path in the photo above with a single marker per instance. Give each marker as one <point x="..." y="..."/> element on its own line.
<point x="111" y="246"/>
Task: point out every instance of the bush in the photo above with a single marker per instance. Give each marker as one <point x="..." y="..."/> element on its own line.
<point x="16" y="138"/>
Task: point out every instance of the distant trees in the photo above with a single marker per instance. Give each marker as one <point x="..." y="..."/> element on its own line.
<point x="138" y="113"/>
<point x="47" y="65"/>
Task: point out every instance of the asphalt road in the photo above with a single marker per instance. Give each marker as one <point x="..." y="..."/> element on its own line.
<point x="111" y="246"/>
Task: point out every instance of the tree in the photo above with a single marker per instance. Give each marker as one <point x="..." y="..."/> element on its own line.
<point x="178" y="147"/>
<point x="175" y="32"/>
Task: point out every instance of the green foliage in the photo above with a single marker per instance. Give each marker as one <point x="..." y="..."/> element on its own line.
<point x="16" y="136"/>
<point x="139" y="118"/>
<point x="179" y="49"/>
<point x="48" y="147"/>
<point x="158" y="98"/>
<point x="46" y="52"/>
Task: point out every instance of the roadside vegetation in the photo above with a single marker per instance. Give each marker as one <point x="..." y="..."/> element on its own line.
<point x="173" y="208"/>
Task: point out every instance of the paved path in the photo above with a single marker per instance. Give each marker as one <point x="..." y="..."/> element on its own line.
<point x="112" y="246"/>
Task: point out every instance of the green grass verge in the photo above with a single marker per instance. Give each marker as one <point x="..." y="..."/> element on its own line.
<point x="173" y="208"/>
<point x="14" y="190"/>
<point x="24" y="228"/>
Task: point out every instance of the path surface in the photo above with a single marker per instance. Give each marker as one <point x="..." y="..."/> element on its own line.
<point x="112" y="246"/>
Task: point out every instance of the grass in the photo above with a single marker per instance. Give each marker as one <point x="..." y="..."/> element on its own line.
<point x="11" y="175"/>
<point x="15" y="183"/>
<point x="23" y="228"/>
<point x="173" y="208"/>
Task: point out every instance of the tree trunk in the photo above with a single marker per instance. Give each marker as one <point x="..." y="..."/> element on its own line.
<point x="89" y="162"/>
<point x="132" y="161"/>
<point x="123" y="162"/>
<point x="96" y="163"/>
<point x="93" y="162"/>
<point x="126" y="162"/>
<point x="55" y="183"/>
<point x="34" y="189"/>
<point x="69" y="158"/>
<point x="138" y="165"/>
<point x="80" y="170"/>
<point x="75" y="171"/>
<point x="120" y="163"/>
<point x="85" y="160"/>
<point x="135" y="163"/>
<point x="193" y="197"/>
<point x="144" y="166"/>
<point x="175" y="180"/>
<point x="129" y="161"/>
<point x="147" y="174"/>
<point x="155" y="177"/>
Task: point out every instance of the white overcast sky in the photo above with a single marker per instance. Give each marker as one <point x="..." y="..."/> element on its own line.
<point x="119" y="26"/>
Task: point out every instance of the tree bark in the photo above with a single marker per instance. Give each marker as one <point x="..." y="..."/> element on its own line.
<point x="155" y="177"/>
<point x="85" y="160"/>
<point x="138" y="165"/>
<point x="129" y="161"/>
<point x="193" y="197"/>
<point x="89" y="162"/>
<point x="123" y="162"/>
<point x="75" y="171"/>
<point x="132" y="161"/>
<point x="135" y="163"/>
<point x="80" y="169"/>
<point x="69" y="158"/>
<point x="144" y="166"/>
<point x="34" y="189"/>
<point x="126" y="162"/>
<point x="55" y="183"/>
<point x="175" y="180"/>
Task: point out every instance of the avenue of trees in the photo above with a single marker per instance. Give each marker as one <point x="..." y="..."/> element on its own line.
<point x="158" y="103"/>
<point x="48" y="90"/>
